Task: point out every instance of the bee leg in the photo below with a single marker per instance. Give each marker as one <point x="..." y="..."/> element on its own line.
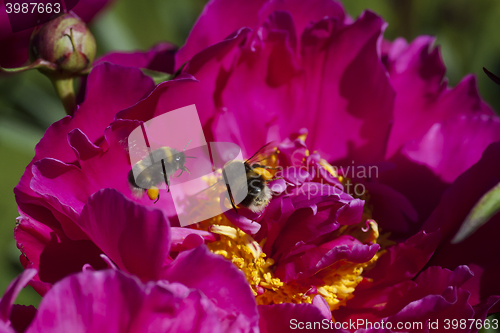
<point x="229" y="191"/>
<point x="158" y="198"/>
<point x="232" y="202"/>
<point x="231" y="198"/>
<point x="182" y="171"/>
<point x="165" y="175"/>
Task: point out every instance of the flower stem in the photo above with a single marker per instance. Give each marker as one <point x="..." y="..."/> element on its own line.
<point x="37" y="64"/>
<point x="66" y="93"/>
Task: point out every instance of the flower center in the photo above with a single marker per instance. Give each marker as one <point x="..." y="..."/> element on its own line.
<point x="336" y="283"/>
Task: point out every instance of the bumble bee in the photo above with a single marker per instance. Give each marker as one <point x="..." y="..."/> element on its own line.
<point x="157" y="167"/>
<point x="252" y="185"/>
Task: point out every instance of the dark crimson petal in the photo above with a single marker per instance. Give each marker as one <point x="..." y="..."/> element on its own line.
<point x="230" y="291"/>
<point x="437" y="296"/>
<point x="392" y="211"/>
<point x="434" y="294"/>
<point x="482" y="310"/>
<point x="22" y="316"/>
<point x="404" y="260"/>
<point x="418" y="184"/>
<point x="136" y="238"/>
<point x="51" y="252"/>
<point x="477" y="250"/>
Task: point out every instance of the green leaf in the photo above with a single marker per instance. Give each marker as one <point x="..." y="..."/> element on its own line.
<point x="482" y="212"/>
<point x="158" y="77"/>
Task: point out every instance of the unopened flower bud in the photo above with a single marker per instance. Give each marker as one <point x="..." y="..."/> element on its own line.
<point x="66" y="42"/>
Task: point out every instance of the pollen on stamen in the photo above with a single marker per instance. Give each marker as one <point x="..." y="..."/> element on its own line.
<point x="340" y="280"/>
<point x="336" y="283"/>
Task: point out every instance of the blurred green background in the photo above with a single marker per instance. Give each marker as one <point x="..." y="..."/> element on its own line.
<point x="467" y="32"/>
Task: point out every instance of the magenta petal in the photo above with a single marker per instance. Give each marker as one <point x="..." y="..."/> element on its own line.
<point x="12" y="291"/>
<point x="322" y="305"/>
<point x="220" y="281"/>
<point x="218" y="20"/>
<point x="181" y="235"/>
<point x="334" y="59"/>
<point x="305" y="261"/>
<point x="158" y="58"/>
<point x="136" y="238"/>
<point x="247" y="225"/>
<point x="6" y="328"/>
<point x="304" y="13"/>
<point x="442" y="148"/>
<point x="422" y="99"/>
<point x="110" y="301"/>
<point x="110" y="88"/>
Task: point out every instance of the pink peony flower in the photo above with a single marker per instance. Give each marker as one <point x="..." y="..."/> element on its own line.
<point x="265" y="71"/>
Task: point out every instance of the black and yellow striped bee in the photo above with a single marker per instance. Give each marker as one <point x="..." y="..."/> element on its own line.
<point x="157" y="167"/>
<point x="252" y="185"/>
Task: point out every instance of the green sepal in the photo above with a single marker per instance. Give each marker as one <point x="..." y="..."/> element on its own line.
<point x="482" y="212"/>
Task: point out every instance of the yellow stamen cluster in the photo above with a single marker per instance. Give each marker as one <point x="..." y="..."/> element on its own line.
<point x="340" y="279"/>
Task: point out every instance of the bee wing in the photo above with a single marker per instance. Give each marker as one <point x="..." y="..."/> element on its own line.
<point x="264" y="153"/>
<point x="212" y="188"/>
